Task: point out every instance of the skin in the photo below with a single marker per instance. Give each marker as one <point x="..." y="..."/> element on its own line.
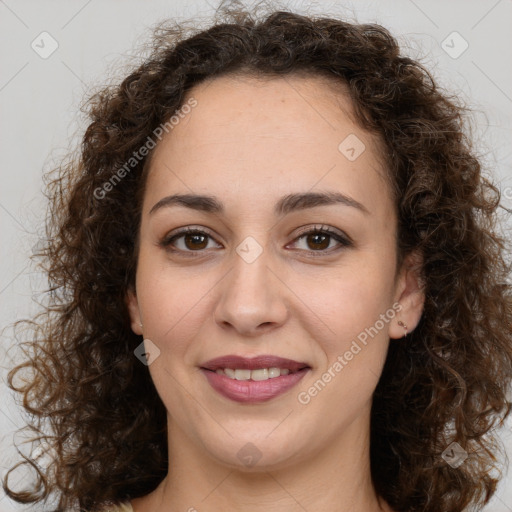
<point x="249" y="142"/>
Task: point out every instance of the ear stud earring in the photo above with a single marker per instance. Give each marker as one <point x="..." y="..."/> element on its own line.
<point x="401" y="324"/>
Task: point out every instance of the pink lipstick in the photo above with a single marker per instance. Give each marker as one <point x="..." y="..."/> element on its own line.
<point x="256" y="379"/>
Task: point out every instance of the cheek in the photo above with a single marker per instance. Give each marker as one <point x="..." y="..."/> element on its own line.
<point x="173" y="303"/>
<point x="354" y="345"/>
<point x="352" y="300"/>
<point x="173" y="312"/>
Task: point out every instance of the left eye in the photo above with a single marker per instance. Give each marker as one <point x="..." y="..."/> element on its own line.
<point x="319" y="240"/>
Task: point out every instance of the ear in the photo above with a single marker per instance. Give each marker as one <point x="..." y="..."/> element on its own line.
<point x="410" y="294"/>
<point x="133" y="309"/>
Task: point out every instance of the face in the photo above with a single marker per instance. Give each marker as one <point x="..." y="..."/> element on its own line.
<point x="267" y="269"/>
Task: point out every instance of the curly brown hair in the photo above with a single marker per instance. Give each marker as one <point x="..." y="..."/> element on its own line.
<point x="106" y="423"/>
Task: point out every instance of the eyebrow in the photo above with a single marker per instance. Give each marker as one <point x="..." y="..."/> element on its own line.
<point x="285" y="205"/>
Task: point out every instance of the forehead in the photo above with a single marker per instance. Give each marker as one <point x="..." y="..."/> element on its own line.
<point x="293" y="133"/>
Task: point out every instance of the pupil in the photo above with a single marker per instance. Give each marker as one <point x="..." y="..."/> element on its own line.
<point x="195" y="238"/>
<point x="320" y="236"/>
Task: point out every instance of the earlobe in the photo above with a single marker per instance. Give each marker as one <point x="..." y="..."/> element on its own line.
<point x="133" y="309"/>
<point x="410" y="295"/>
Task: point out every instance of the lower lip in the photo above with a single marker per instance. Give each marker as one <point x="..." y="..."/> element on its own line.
<point x="253" y="390"/>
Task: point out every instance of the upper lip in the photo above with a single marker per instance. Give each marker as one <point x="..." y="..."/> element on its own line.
<point x="253" y="363"/>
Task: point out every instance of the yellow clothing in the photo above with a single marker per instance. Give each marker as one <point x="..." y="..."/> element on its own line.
<point x="124" y="507"/>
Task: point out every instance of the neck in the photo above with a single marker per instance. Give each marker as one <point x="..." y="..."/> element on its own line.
<point x="335" y="479"/>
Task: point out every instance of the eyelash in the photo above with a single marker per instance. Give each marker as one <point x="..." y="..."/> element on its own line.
<point x="343" y="240"/>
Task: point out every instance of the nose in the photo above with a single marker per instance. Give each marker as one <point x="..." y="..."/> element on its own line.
<point x="252" y="297"/>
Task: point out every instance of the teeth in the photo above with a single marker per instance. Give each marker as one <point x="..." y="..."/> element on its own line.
<point x="242" y="374"/>
<point x="259" y="374"/>
<point x="274" y="372"/>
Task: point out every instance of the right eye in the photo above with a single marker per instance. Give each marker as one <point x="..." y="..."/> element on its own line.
<point x="186" y="240"/>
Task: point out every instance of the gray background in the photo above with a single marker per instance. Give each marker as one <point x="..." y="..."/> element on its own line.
<point x="40" y="98"/>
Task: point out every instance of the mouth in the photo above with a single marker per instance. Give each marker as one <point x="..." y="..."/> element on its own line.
<point x="256" y="379"/>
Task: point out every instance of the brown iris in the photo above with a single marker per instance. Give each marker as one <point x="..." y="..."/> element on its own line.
<point x="194" y="239"/>
<point x="320" y="240"/>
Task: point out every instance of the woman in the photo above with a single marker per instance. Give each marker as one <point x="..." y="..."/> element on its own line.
<point x="277" y="284"/>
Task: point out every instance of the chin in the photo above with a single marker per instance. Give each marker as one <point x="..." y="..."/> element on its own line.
<point x="256" y="453"/>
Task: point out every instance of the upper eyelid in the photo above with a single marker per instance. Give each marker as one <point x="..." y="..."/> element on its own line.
<point x="320" y="228"/>
<point x="188" y="229"/>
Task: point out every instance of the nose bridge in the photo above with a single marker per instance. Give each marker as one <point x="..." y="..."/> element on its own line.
<point x="251" y="295"/>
